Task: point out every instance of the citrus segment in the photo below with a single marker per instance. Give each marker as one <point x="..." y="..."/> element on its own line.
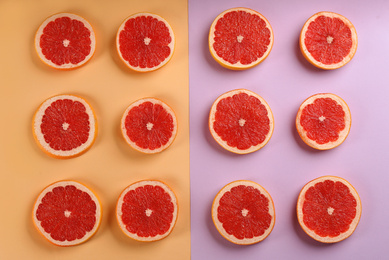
<point x="64" y="126"/>
<point x="240" y="38"/>
<point x="323" y="121"/>
<point x="147" y="210"/>
<point x="145" y="42"/>
<point x="67" y="213"/>
<point x="149" y="125"/>
<point x="243" y="212"/>
<point x="65" y="41"/>
<point x="328" y="40"/>
<point x="241" y="121"/>
<point x="329" y="209"/>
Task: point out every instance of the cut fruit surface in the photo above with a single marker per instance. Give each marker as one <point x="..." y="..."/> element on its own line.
<point x="65" y="41"/>
<point x="145" y="42"/>
<point x="243" y="212"/>
<point x="147" y="210"/>
<point x="149" y="125"/>
<point x="67" y="213"/>
<point x="329" y="209"/>
<point x="64" y="126"/>
<point x="323" y="121"/>
<point x="240" y="38"/>
<point x="241" y="121"/>
<point x="328" y="40"/>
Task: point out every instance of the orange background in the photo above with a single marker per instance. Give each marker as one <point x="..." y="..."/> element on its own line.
<point x="110" y="165"/>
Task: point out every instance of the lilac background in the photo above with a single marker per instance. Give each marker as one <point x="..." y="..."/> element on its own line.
<point x="285" y="164"/>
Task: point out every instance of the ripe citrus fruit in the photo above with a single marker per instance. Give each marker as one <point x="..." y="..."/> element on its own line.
<point x="147" y="210"/>
<point x="241" y="121"/>
<point x="64" y="126"/>
<point x="328" y="40"/>
<point x="240" y="38"/>
<point x="67" y="213"/>
<point x="328" y="209"/>
<point x="323" y="121"/>
<point x="145" y="42"/>
<point x="65" y="41"/>
<point x="243" y="212"/>
<point x="149" y="125"/>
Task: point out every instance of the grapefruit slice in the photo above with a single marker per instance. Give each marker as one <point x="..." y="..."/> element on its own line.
<point x="328" y="40"/>
<point x="323" y="121"/>
<point x="240" y="38"/>
<point x="67" y="213"/>
<point x="329" y="209"/>
<point x="65" y="41"/>
<point x="149" y="125"/>
<point x="64" y="126"/>
<point x="145" y="42"/>
<point x="147" y="210"/>
<point x="243" y="212"/>
<point x="241" y="121"/>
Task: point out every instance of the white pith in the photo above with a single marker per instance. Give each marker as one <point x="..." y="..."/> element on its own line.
<point x="148" y="212"/>
<point x="241" y="122"/>
<point x="146" y="41"/>
<point x="342" y="134"/>
<point x="330" y="211"/>
<point x="149" y="126"/>
<point x="65" y="42"/>
<point x="67" y="213"/>
<point x="37" y="121"/>
<point x="219" y="225"/>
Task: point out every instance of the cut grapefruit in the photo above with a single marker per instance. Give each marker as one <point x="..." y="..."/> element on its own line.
<point x="329" y="209"/>
<point x="243" y="212"/>
<point x="323" y="121"/>
<point x="64" y="126"/>
<point x="145" y="42"/>
<point x="149" y="125"/>
<point x="328" y="40"/>
<point x="241" y="121"/>
<point x="65" y="41"/>
<point x="147" y="210"/>
<point x="67" y="213"/>
<point x="240" y="38"/>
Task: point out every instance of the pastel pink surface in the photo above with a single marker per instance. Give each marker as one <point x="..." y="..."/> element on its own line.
<point x="285" y="79"/>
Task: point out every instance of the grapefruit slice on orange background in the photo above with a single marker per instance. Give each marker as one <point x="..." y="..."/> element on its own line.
<point x="240" y="38"/>
<point x="67" y="213"/>
<point x="65" y="41"/>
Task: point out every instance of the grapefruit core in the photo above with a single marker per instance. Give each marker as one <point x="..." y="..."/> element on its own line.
<point x="240" y="38"/>
<point x="145" y="42"/>
<point x="243" y="212"/>
<point x="149" y="125"/>
<point x="328" y="40"/>
<point x="147" y="210"/>
<point x="329" y="209"/>
<point x="241" y="121"/>
<point x="64" y="126"/>
<point x="323" y="121"/>
<point x="67" y="213"/>
<point x="65" y="41"/>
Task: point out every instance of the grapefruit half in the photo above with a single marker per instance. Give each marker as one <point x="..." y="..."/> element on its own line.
<point x="65" y="41"/>
<point x="149" y="125"/>
<point x="328" y="40"/>
<point x="243" y="212"/>
<point x="323" y="121"/>
<point x="67" y="213"/>
<point x="64" y="126"/>
<point x="147" y="210"/>
<point x="241" y="121"/>
<point x="240" y="38"/>
<point x="329" y="209"/>
<point x="145" y="42"/>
